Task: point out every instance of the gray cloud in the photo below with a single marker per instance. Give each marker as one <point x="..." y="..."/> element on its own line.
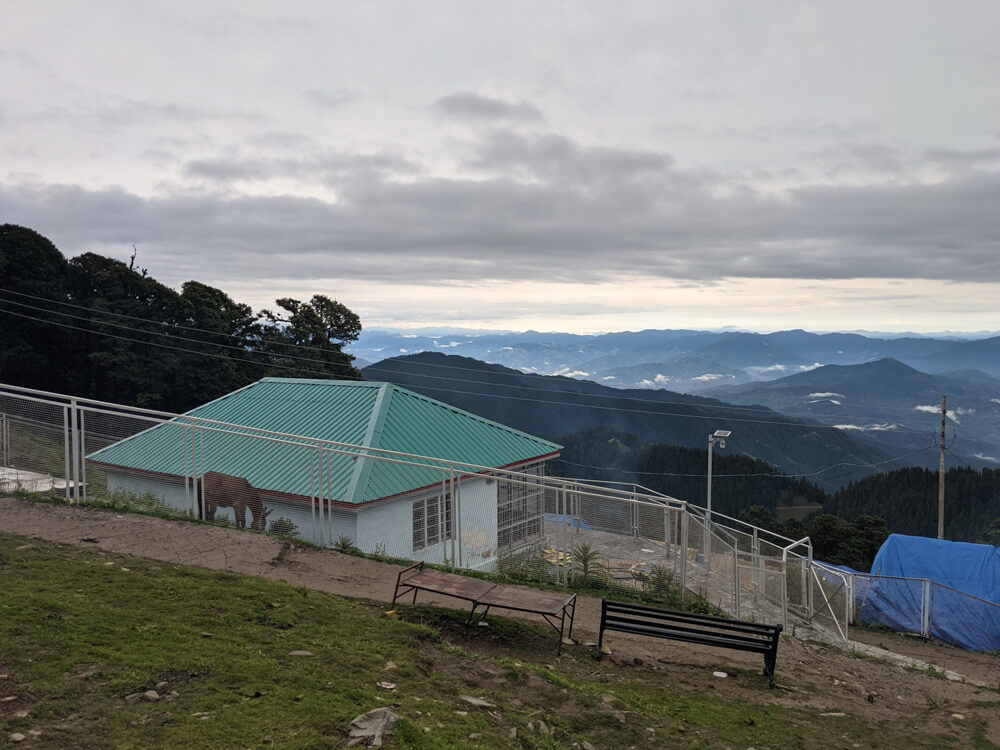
<point x="333" y="169"/>
<point x="331" y="98"/>
<point x="548" y="208"/>
<point x="471" y="106"/>
<point x="878" y="157"/>
<point x="960" y="158"/>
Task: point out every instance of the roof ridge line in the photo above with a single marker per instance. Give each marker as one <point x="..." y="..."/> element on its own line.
<point x="363" y="467"/>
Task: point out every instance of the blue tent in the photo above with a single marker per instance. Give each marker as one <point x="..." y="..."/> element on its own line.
<point x="959" y="605"/>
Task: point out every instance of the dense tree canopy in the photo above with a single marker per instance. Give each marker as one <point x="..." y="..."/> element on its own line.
<point x="94" y="326"/>
<point x="854" y="521"/>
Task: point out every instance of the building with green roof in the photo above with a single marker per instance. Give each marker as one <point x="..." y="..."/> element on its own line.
<point x="285" y="454"/>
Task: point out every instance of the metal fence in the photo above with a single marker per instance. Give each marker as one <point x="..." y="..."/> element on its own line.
<point x="520" y="523"/>
<point x="919" y="606"/>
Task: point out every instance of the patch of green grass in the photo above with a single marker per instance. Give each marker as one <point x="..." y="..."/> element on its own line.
<point x="80" y="630"/>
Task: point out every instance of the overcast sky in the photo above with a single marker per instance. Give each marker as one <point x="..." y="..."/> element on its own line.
<point x="573" y="166"/>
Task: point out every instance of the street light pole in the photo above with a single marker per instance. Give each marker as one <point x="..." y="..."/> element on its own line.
<point x="719" y="436"/>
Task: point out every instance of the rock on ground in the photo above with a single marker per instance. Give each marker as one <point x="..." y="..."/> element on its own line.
<point x="369" y="728"/>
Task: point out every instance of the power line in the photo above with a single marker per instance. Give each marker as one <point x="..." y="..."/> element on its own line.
<point x="379" y="365"/>
<point x="563" y="403"/>
<point x="376" y="366"/>
<point x="845" y="464"/>
<point x="144" y="320"/>
<point x="810" y="425"/>
<point x="162" y="346"/>
<point x="163" y="333"/>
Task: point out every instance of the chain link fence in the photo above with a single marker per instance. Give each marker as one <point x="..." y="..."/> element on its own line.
<point x="517" y="522"/>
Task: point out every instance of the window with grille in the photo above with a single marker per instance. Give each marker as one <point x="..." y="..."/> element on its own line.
<point x="520" y="509"/>
<point x="431" y="520"/>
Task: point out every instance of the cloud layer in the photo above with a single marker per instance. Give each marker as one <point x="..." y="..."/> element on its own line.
<point x="548" y="144"/>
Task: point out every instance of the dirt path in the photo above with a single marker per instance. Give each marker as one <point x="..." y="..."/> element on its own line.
<point x="815" y="676"/>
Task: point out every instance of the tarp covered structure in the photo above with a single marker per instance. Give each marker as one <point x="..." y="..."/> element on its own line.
<point x="949" y="591"/>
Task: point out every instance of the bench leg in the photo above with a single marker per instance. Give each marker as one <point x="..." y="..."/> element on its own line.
<point x="769" y="663"/>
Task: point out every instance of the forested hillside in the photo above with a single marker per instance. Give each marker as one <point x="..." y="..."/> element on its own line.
<point x="738" y="481"/>
<point x="553" y="407"/>
<point x="907" y="499"/>
<point x="853" y="523"/>
<point x="94" y="326"/>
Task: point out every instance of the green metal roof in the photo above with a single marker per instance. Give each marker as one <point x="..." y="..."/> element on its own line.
<point x="369" y="414"/>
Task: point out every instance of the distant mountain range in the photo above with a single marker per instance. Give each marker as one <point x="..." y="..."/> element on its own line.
<point x="888" y="399"/>
<point x="555" y="407"/>
<point x="686" y="360"/>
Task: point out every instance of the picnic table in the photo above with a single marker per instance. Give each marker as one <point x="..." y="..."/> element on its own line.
<point x="554" y="607"/>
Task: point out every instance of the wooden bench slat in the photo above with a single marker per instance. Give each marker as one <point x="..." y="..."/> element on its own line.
<point x="554" y="608"/>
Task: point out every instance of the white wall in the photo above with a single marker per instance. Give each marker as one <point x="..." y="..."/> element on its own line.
<point x="171" y="494"/>
<point x="387" y="524"/>
<point x="390" y="524"/>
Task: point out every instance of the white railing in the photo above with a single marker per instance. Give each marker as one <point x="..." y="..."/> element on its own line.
<point x="641" y="538"/>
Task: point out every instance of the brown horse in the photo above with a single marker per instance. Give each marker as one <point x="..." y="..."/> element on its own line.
<point x="225" y="491"/>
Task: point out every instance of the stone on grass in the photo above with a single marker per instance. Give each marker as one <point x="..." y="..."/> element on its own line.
<point x="300" y="653"/>
<point x="477" y="702"/>
<point x="721" y="675"/>
<point x="133" y="698"/>
<point x="151" y="696"/>
<point x="369" y="728"/>
<point x="587" y="746"/>
<point x="16" y="737"/>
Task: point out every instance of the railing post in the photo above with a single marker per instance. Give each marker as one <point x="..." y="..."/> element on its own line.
<point x="66" y="450"/>
<point x="83" y="455"/>
<point x="757" y="561"/>
<point x="666" y="536"/>
<point x="683" y="552"/>
<point x="185" y="440"/>
<point x="454" y="513"/>
<point x="445" y="530"/>
<point x="810" y="583"/>
<point x="736" y="583"/>
<point x="458" y="517"/>
<point x="312" y="492"/>
<point x="930" y="610"/>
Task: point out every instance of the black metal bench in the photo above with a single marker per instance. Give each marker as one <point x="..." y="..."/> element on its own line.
<point x="639" y="619"/>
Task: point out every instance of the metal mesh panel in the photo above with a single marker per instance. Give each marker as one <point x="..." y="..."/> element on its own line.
<point x="34" y="446"/>
<point x="831" y="599"/>
<point x="521" y="524"/>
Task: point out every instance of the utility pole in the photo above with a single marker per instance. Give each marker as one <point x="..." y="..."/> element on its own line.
<point x="944" y="414"/>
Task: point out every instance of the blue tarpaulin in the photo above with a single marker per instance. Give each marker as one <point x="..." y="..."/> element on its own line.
<point x="959" y="605"/>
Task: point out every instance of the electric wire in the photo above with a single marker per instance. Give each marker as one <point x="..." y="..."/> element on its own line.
<point x="845" y="464"/>
<point x="811" y="425"/>
<point x="379" y="365"/>
<point x="299" y="369"/>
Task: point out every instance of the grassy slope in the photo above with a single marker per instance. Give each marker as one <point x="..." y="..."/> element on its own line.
<point x="80" y="630"/>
